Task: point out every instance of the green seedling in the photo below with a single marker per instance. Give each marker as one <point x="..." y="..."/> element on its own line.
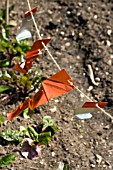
<point x="79" y="128"/>
<point x="30" y="132"/>
<point x="6" y="160"/>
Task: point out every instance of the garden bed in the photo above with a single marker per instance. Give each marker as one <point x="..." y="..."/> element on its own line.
<point x="81" y="34"/>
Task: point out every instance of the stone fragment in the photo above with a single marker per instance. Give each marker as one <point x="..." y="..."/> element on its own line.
<point x="2" y="150"/>
<point x="98" y="158"/>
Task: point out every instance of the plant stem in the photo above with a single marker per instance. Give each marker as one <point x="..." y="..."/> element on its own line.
<point x="7" y="11"/>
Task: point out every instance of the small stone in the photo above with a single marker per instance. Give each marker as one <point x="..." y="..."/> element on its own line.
<point x="89" y="8"/>
<point x="80" y="34"/>
<point x="99" y="158"/>
<point x="67" y="44"/>
<point x="110" y="62"/>
<point x="73" y="33"/>
<point x="53" y="109"/>
<point x="92" y="165"/>
<point x="41" y="162"/>
<point x="95" y="16"/>
<point x="62" y="33"/>
<point x="91" y="160"/>
<point x="53" y="154"/>
<point x="106" y="127"/>
<point x="90" y="88"/>
<point x="81" y="137"/>
<point x="50" y="12"/>
<point x="68" y="12"/>
<point x="79" y="3"/>
<point x="21" y="159"/>
<point x="2" y="150"/>
<point x="56" y="100"/>
<point x="111" y="56"/>
<point x="109" y="32"/>
<point x="96" y="68"/>
<point x="97" y="79"/>
<point x="107" y="73"/>
<point x="99" y="133"/>
<point x="78" y="57"/>
<point x="108" y="43"/>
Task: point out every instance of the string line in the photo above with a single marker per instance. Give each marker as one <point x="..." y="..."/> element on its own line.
<point x="75" y="87"/>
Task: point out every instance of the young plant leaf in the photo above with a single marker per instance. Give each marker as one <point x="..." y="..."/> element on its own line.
<point x="24" y="80"/>
<point x="25" y="113"/>
<point x="6" y="160"/>
<point x="48" y="122"/>
<point x="1" y="119"/>
<point x="32" y="133"/>
<point x="4" y="63"/>
<point x="44" y="138"/>
<point x="4" y="88"/>
<point x="12" y="135"/>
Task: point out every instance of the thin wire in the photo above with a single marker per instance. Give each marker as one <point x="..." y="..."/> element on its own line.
<point x="29" y="6"/>
<point x="106" y="113"/>
<point x="38" y="32"/>
<point x="75" y="87"/>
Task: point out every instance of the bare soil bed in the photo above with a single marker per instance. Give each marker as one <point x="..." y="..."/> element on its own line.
<point x="82" y="35"/>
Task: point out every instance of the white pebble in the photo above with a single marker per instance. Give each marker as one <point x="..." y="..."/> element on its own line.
<point x="79" y="3"/>
<point x="96" y="68"/>
<point x="110" y="62"/>
<point x="80" y="34"/>
<point x="109" y="32"/>
<point x="107" y="73"/>
<point x="108" y="43"/>
<point x="78" y="57"/>
<point x="67" y="44"/>
<point x="97" y="79"/>
<point x="99" y="158"/>
<point x="53" y="109"/>
<point x="62" y="32"/>
<point x="90" y="88"/>
<point x="56" y="100"/>
<point x="53" y="154"/>
<point x="111" y="56"/>
<point x="95" y="16"/>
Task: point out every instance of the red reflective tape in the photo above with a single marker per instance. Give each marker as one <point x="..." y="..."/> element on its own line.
<point x="28" y="13"/>
<point x="93" y="104"/>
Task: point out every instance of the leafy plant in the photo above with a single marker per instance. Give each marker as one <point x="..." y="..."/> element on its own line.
<point x="9" y="47"/>
<point x="32" y="132"/>
<point x="12" y="135"/>
<point x="12" y="52"/>
<point x="6" y="160"/>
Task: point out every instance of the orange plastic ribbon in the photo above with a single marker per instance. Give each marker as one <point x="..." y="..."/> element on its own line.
<point x="93" y="104"/>
<point x="55" y="86"/>
<point x="31" y="55"/>
<point x="28" y="13"/>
